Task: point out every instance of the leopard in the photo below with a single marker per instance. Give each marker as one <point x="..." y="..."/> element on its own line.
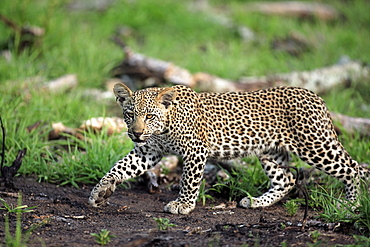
<point x="272" y="124"/>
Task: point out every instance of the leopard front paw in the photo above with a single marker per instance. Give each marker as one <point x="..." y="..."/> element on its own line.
<point x="176" y="207"/>
<point x="101" y="192"/>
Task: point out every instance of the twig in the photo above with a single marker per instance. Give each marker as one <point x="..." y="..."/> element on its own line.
<point x="24" y="36"/>
<point x="304" y="191"/>
<point x="3" y="147"/>
<point x="10" y="23"/>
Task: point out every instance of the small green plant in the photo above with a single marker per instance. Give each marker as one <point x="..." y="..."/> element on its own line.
<point x="103" y="237"/>
<point x="291" y="207"/>
<point x="315" y="236"/>
<point x="284" y="244"/>
<point x="203" y="196"/>
<point x="163" y="223"/>
<point x="18" y="239"/>
<point x="282" y="226"/>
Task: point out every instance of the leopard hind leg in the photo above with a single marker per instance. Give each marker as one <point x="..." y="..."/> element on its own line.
<point x="275" y="164"/>
<point x="330" y="156"/>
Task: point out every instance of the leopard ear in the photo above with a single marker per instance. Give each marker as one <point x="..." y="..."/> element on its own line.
<point x="122" y="93"/>
<point x="166" y="96"/>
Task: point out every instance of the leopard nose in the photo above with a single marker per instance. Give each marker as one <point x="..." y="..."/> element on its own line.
<point x="137" y="134"/>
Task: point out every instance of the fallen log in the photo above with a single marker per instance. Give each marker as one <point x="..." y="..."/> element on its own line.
<point x="319" y="80"/>
<point x="110" y="124"/>
<point x="61" y="84"/>
<point x="141" y="66"/>
<point x="145" y="71"/>
<point x="303" y="10"/>
<point x="59" y="129"/>
<point x="352" y="124"/>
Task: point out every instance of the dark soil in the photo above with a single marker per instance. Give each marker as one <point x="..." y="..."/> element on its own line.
<point x="69" y="220"/>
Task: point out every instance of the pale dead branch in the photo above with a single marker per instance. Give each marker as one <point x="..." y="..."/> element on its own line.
<point x="296" y="9"/>
<point x="58" y="129"/>
<point x="319" y="80"/>
<point x="353" y="124"/>
<point x="61" y="84"/>
<point x="112" y="124"/>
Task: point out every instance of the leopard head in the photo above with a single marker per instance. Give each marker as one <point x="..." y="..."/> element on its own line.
<point x="144" y="111"/>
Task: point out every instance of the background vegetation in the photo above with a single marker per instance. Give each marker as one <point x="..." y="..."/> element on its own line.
<point x="79" y="41"/>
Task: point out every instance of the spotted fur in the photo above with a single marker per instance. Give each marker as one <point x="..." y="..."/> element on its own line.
<point x="271" y="124"/>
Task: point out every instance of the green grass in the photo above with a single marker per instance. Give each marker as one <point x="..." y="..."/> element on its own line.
<point x="204" y="193"/>
<point x="18" y="238"/>
<point x="242" y="182"/>
<point x="86" y="160"/>
<point x="79" y="42"/>
<point x="327" y="201"/>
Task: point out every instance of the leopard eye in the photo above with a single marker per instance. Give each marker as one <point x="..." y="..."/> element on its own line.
<point x="149" y="116"/>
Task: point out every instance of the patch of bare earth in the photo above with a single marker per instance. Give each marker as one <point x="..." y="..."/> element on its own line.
<point x="70" y="220"/>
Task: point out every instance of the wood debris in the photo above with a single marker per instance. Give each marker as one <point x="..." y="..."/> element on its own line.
<point x="10" y="194"/>
<point x="33" y="126"/>
<point x="58" y="129"/>
<point x="61" y="84"/>
<point x="229" y="212"/>
<point x="141" y="67"/>
<point x="228" y="205"/>
<point x="352" y="124"/>
<point x="303" y="10"/>
<point x="295" y="44"/>
<point x="24" y="37"/>
<point x="112" y="124"/>
<point x="90" y="5"/>
<point x="318" y="80"/>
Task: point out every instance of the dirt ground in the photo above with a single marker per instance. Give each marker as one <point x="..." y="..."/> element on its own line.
<point x="71" y="220"/>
